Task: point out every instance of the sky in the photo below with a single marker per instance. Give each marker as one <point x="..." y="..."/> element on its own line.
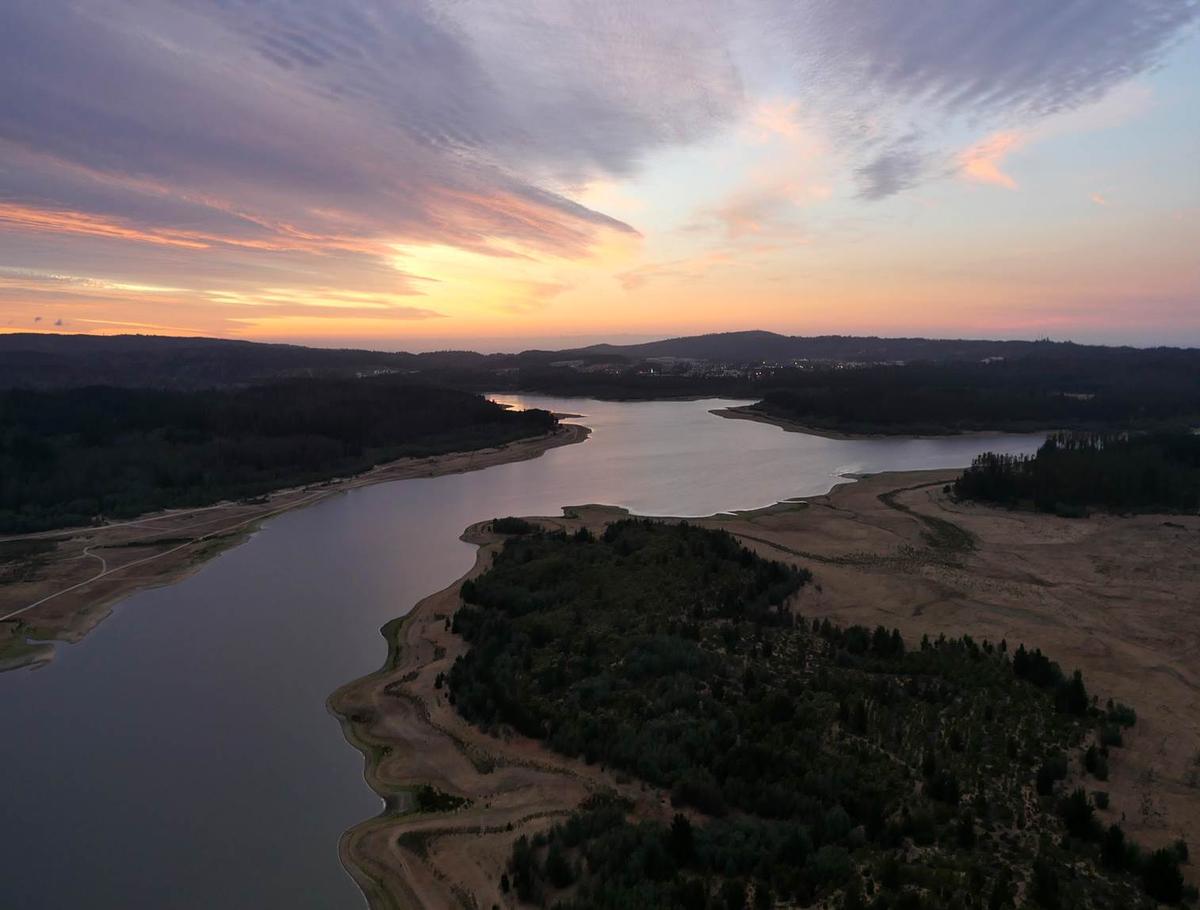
<point x="412" y="174"/>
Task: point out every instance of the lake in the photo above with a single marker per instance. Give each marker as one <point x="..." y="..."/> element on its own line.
<point x="181" y="756"/>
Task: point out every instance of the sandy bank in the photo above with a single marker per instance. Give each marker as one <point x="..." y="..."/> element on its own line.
<point x="401" y="719"/>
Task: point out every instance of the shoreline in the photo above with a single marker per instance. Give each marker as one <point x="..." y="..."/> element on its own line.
<point x="411" y="737"/>
<point x="747" y="412"/>
<point x="880" y="552"/>
<point x="67" y="597"/>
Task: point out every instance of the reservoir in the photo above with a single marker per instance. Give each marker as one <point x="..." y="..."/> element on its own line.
<point x="181" y="755"/>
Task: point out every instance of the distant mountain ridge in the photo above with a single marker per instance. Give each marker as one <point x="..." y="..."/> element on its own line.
<point x="55" y="361"/>
<point x="761" y="345"/>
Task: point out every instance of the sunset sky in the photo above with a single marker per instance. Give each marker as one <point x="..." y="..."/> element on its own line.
<point x="408" y="174"/>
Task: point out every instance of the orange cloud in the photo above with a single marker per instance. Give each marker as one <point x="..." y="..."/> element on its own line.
<point x="548" y="228"/>
<point x="1098" y="199"/>
<point x="70" y="222"/>
<point x="981" y="162"/>
<point x="687" y="269"/>
<point x="67" y="221"/>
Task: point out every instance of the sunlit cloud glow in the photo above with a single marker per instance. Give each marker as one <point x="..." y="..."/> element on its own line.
<point x="982" y="162"/>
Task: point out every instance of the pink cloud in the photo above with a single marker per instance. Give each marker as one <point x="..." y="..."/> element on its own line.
<point x="982" y="161"/>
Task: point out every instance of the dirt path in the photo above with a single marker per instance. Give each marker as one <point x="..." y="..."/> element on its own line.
<point x="49" y="589"/>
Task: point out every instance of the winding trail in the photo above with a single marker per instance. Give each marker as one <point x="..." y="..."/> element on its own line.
<point x="105" y="571"/>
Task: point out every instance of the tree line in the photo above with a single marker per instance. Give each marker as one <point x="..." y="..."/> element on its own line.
<point x="1052" y="387"/>
<point x="72" y="456"/>
<point x="1074" y="472"/>
<point x="1119" y="390"/>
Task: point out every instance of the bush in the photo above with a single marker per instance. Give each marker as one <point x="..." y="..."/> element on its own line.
<point x="1114" y="854"/>
<point x="1120" y="714"/>
<point x="1052" y="770"/>
<point x="1161" y="876"/>
<point x="1077" y="814"/>
<point x="701" y="791"/>
<point x="511" y="525"/>
<point x="1110" y="736"/>
<point x="1095" y="763"/>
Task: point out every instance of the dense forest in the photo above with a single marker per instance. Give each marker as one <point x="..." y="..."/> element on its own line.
<point x="807" y="762"/>
<point x="64" y="361"/>
<point x="1148" y="389"/>
<point x="68" y="457"/>
<point x="1072" y="473"/>
<point x="852" y="384"/>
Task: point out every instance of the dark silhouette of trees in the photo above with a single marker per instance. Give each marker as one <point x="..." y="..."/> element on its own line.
<point x="1164" y="881"/>
<point x="1114" y="853"/>
<point x="70" y="456"/>
<point x="1074" y="472"/>
<point x="1077" y="814"/>
<point x="1044" y="387"/>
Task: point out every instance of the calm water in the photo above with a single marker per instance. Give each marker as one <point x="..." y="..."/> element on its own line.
<point x="182" y="757"/>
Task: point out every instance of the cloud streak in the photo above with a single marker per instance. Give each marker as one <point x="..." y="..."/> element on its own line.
<point x="890" y="77"/>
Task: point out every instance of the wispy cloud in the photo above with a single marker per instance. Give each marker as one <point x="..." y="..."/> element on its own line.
<point x="224" y="144"/>
<point x="982" y="162"/>
<point x="896" y="168"/>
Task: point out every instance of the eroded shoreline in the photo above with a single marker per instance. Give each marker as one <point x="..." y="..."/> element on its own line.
<point x="411" y="736"/>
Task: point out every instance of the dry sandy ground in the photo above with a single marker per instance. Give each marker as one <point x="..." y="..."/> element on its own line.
<point x="746" y="412"/>
<point x="1118" y="598"/>
<point x="75" y="576"/>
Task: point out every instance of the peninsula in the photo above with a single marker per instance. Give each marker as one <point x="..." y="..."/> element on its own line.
<point x="892" y="551"/>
